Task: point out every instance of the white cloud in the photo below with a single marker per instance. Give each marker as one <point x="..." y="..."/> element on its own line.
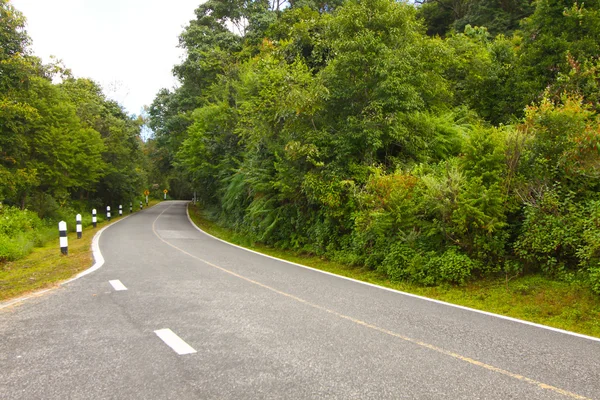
<point x="128" y="46"/>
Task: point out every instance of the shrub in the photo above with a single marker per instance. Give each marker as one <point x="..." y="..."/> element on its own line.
<point x="401" y="263"/>
<point x="427" y="268"/>
<point x="14" y="221"/>
<point x="22" y="230"/>
<point x="12" y="248"/>
<point x="594" y="279"/>
<point x="19" y="232"/>
<point x="452" y="266"/>
<point x="551" y="234"/>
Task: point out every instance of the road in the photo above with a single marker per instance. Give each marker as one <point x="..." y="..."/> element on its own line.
<point x="201" y="319"/>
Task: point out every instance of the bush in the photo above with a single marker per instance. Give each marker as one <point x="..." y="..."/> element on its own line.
<point x="452" y="266"/>
<point x="430" y="268"/>
<point x="20" y="231"/>
<point x="594" y="279"/>
<point x="551" y="234"/>
<point x="15" y="247"/>
<point x="14" y="221"/>
<point x="402" y="263"/>
<point x="589" y="252"/>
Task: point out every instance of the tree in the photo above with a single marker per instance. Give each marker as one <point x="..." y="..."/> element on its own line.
<point x="557" y="36"/>
<point x="16" y="70"/>
<point x="481" y="71"/>
<point x="385" y="72"/>
<point x="497" y="16"/>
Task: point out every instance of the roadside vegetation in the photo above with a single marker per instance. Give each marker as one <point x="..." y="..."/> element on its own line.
<point x="556" y="303"/>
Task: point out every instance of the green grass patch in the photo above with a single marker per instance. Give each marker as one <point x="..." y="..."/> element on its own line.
<point x="559" y="304"/>
<point x="45" y="266"/>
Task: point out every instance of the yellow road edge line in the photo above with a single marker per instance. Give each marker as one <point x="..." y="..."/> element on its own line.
<point x="440" y="350"/>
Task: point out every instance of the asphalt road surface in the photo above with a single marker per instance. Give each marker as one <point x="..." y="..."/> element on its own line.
<point x="177" y="314"/>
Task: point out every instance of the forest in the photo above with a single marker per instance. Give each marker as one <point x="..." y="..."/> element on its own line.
<point x="436" y="142"/>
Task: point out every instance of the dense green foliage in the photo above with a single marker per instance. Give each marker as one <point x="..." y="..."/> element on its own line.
<point x="499" y="17"/>
<point x="63" y="145"/>
<point x="345" y="130"/>
<point x="20" y="231"/>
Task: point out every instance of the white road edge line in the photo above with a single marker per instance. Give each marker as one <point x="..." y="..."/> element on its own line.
<point x="175" y="342"/>
<point x="99" y="262"/>
<point x="117" y="285"/>
<point x="504" y="317"/>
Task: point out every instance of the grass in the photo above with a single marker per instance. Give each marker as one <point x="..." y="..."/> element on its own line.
<point x="559" y="304"/>
<point x="45" y="266"/>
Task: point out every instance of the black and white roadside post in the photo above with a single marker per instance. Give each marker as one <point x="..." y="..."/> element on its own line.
<point x="130" y="207"/>
<point x="120" y="210"/>
<point x="62" y="233"/>
<point x="78" y="221"/>
<point x="94" y="220"/>
<point x="108" y="213"/>
<point x="141" y="206"/>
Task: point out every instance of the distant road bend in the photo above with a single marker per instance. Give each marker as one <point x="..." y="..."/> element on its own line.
<point x="177" y="314"/>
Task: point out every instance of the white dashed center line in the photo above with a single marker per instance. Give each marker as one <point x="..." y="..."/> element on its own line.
<point x="175" y="342"/>
<point x="117" y="285"/>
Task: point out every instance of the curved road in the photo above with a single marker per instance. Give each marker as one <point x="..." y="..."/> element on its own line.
<point x="201" y="319"/>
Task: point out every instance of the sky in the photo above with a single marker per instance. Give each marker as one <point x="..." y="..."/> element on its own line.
<point x="127" y="46"/>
